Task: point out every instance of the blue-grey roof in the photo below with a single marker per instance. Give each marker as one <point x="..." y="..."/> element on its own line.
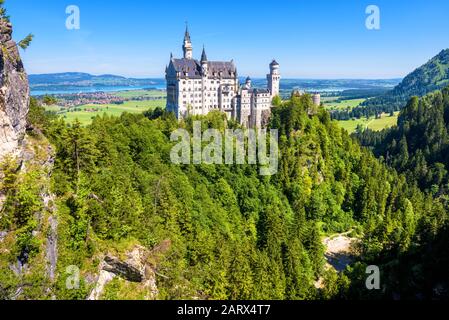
<point x="227" y="68"/>
<point x="193" y="68"/>
<point x="203" y="56"/>
<point x="257" y="91"/>
<point x="187" y="35"/>
<point x="189" y="66"/>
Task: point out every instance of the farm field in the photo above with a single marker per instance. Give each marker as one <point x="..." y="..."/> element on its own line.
<point x="140" y="93"/>
<point x="86" y="113"/>
<point x="374" y="124"/>
<point x="334" y="104"/>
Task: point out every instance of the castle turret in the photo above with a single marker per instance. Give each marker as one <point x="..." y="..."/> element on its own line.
<point x="204" y="73"/>
<point x="248" y="83"/>
<point x="274" y="78"/>
<point x="203" y="57"/>
<point x="187" y="46"/>
<point x="316" y="99"/>
<point x="204" y="63"/>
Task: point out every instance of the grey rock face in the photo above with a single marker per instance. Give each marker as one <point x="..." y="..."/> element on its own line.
<point x="14" y="93"/>
<point x="134" y="269"/>
<point x="125" y="270"/>
<point x="52" y="247"/>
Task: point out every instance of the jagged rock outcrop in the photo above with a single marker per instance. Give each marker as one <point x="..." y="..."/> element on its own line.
<point x="134" y="269"/>
<point x="14" y="93"/>
<point x="127" y="270"/>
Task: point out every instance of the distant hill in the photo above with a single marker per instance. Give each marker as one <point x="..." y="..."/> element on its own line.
<point x="58" y="81"/>
<point x="433" y="75"/>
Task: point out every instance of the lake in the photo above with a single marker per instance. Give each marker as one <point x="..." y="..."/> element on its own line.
<point x="72" y="90"/>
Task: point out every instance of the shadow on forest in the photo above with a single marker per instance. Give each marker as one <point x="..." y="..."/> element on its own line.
<point x="339" y="260"/>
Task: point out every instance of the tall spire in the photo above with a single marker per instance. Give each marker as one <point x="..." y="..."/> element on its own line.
<point x="187" y="34"/>
<point x="187" y="46"/>
<point x="203" y="55"/>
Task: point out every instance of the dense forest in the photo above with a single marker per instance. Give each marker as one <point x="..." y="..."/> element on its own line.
<point x="231" y="233"/>
<point x="431" y="76"/>
<point x="419" y="145"/>
<point x="418" y="148"/>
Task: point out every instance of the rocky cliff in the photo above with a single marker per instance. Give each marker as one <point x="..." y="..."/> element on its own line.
<point x="14" y="92"/>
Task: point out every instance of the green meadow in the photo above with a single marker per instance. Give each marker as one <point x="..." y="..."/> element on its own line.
<point x="386" y="121"/>
<point x="335" y="104"/>
<point x="140" y="93"/>
<point x="86" y="113"/>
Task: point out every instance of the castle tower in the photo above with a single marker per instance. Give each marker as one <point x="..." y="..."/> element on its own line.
<point x="274" y="78"/>
<point x="187" y="46"/>
<point x="248" y="83"/>
<point x="204" y="64"/>
<point x="204" y="73"/>
<point x="316" y="97"/>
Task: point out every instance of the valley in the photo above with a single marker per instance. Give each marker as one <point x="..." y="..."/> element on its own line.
<point x="86" y="106"/>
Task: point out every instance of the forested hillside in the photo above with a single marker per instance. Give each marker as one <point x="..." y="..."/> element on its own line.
<point x="228" y="232"/>
<point x="433" y="75"/>
<point x="419" y="145"/>
<point x="418" y="148"/>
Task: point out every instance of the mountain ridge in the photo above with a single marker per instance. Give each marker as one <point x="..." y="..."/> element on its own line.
<point x="83" y="79"/>
<point x="429" y="77"/>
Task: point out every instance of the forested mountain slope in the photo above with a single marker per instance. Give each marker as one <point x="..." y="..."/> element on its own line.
<point x="429" y="77"/>
<point x="419" y="145"/>
<point x="228" y="232"/>
<point x="433" y="75"/>
<point x="419" y="148"/>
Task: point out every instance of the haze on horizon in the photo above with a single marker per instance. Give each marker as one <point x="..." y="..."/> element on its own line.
<point x="311" y="40"/>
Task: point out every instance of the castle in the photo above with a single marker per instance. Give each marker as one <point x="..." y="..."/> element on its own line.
<point x="198" y="87"/>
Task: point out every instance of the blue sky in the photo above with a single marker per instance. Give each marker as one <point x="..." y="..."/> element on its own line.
<point x="310" y="39"/>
